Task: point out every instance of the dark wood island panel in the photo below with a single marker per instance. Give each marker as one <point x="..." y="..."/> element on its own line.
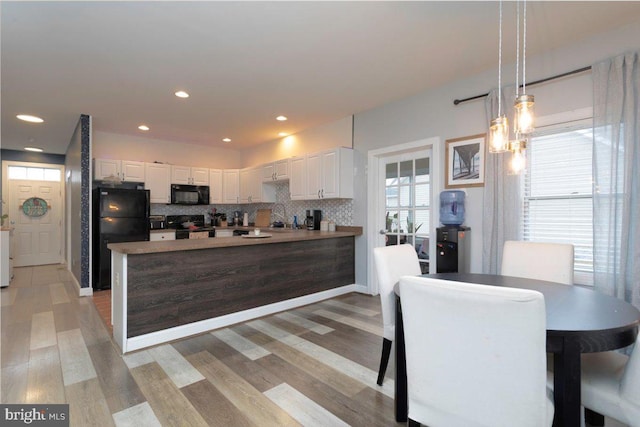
<point x="169" y="289"/>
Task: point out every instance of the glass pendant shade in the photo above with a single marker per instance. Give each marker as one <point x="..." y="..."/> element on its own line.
<point x="518" y="161"/>
<point x="523" y="120"/>
<point x="499" y="135"/>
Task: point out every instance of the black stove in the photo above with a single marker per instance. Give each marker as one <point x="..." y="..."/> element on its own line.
<point x="175" y="222"/>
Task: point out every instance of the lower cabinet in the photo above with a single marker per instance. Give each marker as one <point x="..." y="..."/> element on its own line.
<point x="157" y="236"/>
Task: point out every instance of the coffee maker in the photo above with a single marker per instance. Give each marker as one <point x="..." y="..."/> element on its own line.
<point x="313" y="219"/>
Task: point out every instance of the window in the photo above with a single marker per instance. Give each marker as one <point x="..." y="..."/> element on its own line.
<point x="558" y="192"/>
<point x="34" y="173"/>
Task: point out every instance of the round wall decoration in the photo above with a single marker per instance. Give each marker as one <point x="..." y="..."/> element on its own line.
<point x="35" y="207"/>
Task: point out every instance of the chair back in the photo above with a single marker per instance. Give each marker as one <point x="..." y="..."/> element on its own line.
<point x="392" y="262"/>
<point x="476" y="354"/>
<point x="535" y="260"/>
<point x="630" y="384"/>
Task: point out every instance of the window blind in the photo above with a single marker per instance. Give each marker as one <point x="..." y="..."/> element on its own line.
<point x="558" y="188"/>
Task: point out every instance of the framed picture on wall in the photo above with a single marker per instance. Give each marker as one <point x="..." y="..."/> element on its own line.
<point x="464" y="158"/>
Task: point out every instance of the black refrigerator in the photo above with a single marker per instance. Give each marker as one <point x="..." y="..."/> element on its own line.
<point x="119" y="215"/>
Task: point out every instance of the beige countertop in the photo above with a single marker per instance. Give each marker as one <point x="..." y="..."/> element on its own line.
<point x="279" y="236"/>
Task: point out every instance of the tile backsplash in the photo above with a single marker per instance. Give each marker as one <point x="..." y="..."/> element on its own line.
<point x="338" y="210"/>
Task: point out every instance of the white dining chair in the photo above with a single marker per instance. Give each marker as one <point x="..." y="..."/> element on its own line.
<point x="475" y="354"/>
<point x="552" y="262"/>
<point x="391" y="262"/>
<point x="611" y="385"/>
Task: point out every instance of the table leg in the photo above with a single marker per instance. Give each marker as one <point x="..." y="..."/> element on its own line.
<point x="401" y="368"/>
<point x="566" y="384"/>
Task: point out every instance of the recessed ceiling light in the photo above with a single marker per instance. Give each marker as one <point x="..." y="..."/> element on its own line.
<point x="182" y="94"/>
<point x="283" y="134"/>
<point x="30" y="119"/>
<point x="226" y="139"/>
<point x="281" y="118"/>
<point x="143" y="127"/>
<point x="37" y="150"/>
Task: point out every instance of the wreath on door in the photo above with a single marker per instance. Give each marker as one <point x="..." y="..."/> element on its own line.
<point x="35" y="207"/>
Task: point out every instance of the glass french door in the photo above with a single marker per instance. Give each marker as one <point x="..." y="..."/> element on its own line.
<point x="407" y="210"/>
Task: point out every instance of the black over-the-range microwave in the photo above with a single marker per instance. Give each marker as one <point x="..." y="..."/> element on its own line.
<point x="189" y="194"/>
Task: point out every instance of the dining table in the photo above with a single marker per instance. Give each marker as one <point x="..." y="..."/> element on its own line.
<point x="578" y="320"/>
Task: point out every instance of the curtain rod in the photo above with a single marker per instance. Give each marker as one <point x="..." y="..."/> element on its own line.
<point x="568" y="73"/>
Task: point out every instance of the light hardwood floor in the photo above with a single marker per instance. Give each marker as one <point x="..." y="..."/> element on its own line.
<point x="313" y="366"/>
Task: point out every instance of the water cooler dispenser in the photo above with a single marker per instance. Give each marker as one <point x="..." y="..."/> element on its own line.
<point x="452" y="239"/>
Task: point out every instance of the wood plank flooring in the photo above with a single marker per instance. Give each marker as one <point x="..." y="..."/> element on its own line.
<point x="313" y="366"/>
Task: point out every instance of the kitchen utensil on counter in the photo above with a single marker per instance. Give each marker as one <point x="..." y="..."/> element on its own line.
<point x="245" y="220"/>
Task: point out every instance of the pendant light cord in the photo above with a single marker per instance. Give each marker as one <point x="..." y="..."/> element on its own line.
<point x="500" y="63"/>
<point x="517" y="49"/>
<point x="524" y="46"/>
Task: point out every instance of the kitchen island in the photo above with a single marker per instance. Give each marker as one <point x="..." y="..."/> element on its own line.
<point x="166" y="290"/>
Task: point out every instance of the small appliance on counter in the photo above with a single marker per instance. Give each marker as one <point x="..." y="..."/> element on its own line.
<point x="314" y="217"/>
<point x="190" y="227"/>
<point x="157" y="222"/>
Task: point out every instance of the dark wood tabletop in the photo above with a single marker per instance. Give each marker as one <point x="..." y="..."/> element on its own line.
<point x="579" y="320"/>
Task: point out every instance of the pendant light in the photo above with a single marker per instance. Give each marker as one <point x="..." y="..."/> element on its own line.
<point x="523" y="107"/>
<point x="499" y="127"/>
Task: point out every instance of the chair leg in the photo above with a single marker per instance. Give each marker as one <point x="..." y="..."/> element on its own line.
<point x="411" y="423"/>
<point x="593" y="418"/>
<point x="384" y="360"/>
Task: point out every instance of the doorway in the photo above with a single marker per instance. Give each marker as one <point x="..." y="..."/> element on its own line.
<point x="32" y="197"/>
<point x="402" y="182"/>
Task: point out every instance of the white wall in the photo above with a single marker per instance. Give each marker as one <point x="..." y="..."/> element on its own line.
<point x="327" y="136"/>
<point x="432" y="114"/>
<point x="124" y="147"/>
<point x="324" y="137"/>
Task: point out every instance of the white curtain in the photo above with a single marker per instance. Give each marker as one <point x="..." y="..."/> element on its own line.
<point x="502" y="192"/>
<point x="616" y="170"/>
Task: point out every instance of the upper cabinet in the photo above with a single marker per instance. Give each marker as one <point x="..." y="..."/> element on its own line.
<point x="215" y="186"/>
<point x="324" y="175"/>
<point x="158" y="182"/>
<point x="230" y="186"/>
<point x="189" y="175"/>
<point x="276" y="171"/>
<point x="124" y="170"/>
<point x="252" y="189"/>
<point x="298" y="180"/>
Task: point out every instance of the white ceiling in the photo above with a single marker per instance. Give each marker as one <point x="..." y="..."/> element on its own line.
<point x="244" y="63"/>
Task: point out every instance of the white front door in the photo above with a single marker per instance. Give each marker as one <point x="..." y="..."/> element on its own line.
<point x="37" y="238"/>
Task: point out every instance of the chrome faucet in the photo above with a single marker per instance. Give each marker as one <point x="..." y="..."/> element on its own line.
<point x="284" y="212"/>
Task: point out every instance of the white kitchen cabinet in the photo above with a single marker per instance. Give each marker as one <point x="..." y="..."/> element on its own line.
<point x="158" y="182"/>
<point x="230" y="186"/>
<point x="252" y="189"/>
<point x="189" y="175"/>
<point x="329" y="174"/>
<point x="6" y="266"/>
<point x="125" y="170"/>
<point x="276" y="171"/>
<point x="215" y="186"/>
<point x="158" y="236"/>
<point x="298" y="178"/>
